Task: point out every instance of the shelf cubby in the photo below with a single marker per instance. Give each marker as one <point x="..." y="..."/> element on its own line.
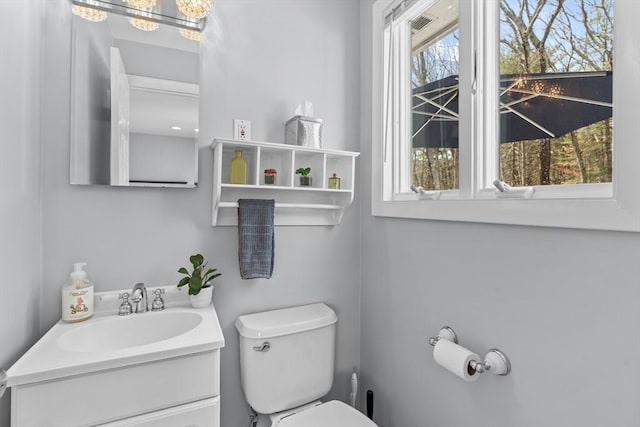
<point x="295" y="205"/>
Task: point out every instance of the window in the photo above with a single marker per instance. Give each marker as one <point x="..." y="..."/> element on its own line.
<point x="475" y="98"/>
<point x="434" y="97"/>
<point x="556" y="63"/>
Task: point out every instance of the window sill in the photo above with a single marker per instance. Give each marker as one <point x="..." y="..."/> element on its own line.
<point x="582" y="213"/>
<point x="561" y="192"/>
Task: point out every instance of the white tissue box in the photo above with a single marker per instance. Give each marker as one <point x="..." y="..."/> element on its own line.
<point x="304" y="131"/>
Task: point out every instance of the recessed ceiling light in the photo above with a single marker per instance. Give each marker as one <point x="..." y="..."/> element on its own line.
<point x="176" y="128"/>
<point x="196" y="130"/>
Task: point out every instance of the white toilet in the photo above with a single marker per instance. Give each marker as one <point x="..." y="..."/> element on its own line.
<point x="286" y="364"/>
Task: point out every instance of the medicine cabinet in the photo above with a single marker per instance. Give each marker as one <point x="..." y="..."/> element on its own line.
<point x="316" y="204"/>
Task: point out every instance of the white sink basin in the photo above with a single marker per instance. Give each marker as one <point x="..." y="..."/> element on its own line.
<point x="134" y="330"/>
<point x="108" y="341"/>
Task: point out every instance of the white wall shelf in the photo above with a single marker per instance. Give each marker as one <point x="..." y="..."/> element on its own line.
<point x="294" y="205"/>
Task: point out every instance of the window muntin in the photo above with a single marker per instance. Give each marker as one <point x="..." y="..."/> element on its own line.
<point x="555" y="65"/>
<point x="434" y="97"/>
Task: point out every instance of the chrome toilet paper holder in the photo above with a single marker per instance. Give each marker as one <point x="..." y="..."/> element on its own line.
<point x="495" y="361"/>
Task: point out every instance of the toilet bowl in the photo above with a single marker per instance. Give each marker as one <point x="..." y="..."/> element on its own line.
<point x="330" y="414"/>
<point x="287" y="361"/>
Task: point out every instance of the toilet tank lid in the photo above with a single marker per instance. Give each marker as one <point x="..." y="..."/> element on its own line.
<point x="285" y="321"/>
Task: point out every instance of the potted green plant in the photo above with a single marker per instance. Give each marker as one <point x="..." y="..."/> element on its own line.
<point x="305" y="178"/>
<point x="199" y="280"/>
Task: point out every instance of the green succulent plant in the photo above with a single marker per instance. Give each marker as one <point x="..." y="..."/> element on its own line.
<point x="198" y="278"/>
<point x="303" y="171"/>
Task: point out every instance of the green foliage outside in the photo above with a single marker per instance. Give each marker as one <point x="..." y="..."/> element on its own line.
<point x="536" y="36"/>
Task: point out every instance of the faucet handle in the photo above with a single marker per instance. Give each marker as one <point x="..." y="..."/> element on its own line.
<point x="125" y="307"/>
<point x="158" y="302"/>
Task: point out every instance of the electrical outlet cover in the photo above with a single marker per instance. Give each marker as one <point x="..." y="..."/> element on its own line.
<point x="242" y="130"/>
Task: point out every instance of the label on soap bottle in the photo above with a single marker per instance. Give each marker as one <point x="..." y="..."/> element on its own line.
<point x="77" y="304"/>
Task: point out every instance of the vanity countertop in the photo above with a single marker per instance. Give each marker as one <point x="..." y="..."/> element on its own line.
<point x="78" y="348"/>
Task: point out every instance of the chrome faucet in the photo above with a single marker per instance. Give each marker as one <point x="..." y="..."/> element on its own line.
<point x="139" y="298"/>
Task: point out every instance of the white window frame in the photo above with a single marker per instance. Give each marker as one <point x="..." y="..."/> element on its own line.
<point x="609" y="206"/>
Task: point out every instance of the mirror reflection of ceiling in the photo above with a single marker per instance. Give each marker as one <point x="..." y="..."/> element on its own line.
<point x="164" y="36"/>
<point x="149" y="112"/>
<point x="158" y="107"/>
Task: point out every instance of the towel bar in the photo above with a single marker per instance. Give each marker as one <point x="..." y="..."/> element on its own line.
<point x="288" y="206"/>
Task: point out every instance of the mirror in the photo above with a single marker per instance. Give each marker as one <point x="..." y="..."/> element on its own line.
<point x="134" y="104"/>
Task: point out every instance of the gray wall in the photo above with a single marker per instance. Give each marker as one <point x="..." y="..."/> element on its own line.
<point x="561" y="303"/>
<point x="20" y="181"/>
<point x="261" y="58"/>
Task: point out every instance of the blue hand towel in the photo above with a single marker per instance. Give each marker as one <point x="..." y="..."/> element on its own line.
<point x="256" y="239"/>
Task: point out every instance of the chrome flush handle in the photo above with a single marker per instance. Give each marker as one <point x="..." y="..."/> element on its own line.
<point x="264" y="347"/>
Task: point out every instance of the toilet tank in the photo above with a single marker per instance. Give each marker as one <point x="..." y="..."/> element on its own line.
<point x="297" y="367"/>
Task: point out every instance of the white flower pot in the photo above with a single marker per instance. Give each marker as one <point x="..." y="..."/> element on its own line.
<point x="203" y="299"/>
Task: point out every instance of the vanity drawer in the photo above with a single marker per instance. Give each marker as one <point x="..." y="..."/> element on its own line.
<point x="105" y="396"/>
<point x="205" y="413"/>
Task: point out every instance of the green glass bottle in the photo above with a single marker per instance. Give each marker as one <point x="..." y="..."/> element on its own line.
<point x="238" y="173"/>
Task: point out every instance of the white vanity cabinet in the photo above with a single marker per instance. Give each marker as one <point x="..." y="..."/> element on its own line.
<point x="152" y="369"/>
<point x="182" y="391"/>
<point x="316" y="204"/>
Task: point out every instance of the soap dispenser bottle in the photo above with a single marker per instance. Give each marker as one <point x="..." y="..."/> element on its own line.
<point x="77" y="297"/>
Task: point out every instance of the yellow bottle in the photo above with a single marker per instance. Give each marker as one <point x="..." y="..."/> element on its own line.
<point x="238" y="173"/>
<point x="334" y="182"/>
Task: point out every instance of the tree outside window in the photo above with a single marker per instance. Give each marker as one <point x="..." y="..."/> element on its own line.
<point x="541" y="41"/>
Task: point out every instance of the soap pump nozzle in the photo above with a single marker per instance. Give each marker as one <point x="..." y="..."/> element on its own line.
<point x="78" y="274"/>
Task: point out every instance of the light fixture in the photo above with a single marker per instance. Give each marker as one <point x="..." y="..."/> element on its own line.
<point x="176" y="128"/>
<point x="144" y="24"/>
<point x="143" y="16"/>
<point x="89" y="13"/>
<point x="190" y="34"/>
<point x="141" y="4"/>
<point x="195" y="9"/>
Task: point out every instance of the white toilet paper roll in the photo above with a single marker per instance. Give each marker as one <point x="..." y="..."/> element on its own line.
<point x="455" y="359"/>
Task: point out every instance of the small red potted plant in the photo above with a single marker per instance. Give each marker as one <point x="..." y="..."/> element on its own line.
<point x="270" y="176"/>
